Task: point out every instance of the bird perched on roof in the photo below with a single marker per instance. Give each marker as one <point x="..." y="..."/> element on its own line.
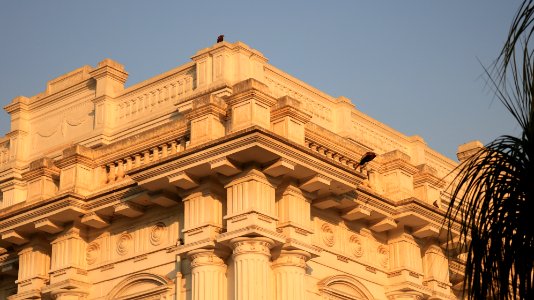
<point x="367" y="157"/>
<point x="220" y="38"/>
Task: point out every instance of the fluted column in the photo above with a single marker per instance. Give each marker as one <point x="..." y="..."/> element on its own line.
<point x="208" y="273"/>
<point x="251" y="267"/>
<point x="289" y="270"/>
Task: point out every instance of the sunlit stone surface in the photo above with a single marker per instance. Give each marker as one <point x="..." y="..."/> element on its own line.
<point x="224" y="178"/>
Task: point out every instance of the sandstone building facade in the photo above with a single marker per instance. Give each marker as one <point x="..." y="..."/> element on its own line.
<point x="224" y="178"/>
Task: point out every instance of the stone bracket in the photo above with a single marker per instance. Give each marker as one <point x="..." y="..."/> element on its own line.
<point x="94" y="220"/>
<point x="129" y="210"/>
<point x="183" y="181"/>
<point x="315" y="183"/>
<point x="279" y="168"/>
<point x="48" y="226"/>
<point x="384" y="225"/>
<point x="14" y="237"/>
<point x="224" y="167"/>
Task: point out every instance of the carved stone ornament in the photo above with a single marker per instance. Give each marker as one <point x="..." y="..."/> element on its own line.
<point x="204" y="257"/>
<point x="294" y="258"/>
<point x="123" y="243"/>
<point x="157" y="232"/>
<point x="327" y="234"/>
<point x="383" y="256"/>
<point x="257" y="245"/>
<point x="356" y="246"/>
<point x="93" y="252"/>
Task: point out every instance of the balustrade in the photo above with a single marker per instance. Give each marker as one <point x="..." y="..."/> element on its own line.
<point x="148" y="98"/>
<point x="117" y="170"/>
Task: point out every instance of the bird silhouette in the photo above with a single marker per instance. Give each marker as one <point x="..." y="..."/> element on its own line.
<point x="220" y="38"/>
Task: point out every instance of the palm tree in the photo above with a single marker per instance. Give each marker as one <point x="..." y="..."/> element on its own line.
<point x="492" y="196"/>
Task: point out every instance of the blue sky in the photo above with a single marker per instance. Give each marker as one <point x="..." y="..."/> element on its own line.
<point x="413" y="65"/>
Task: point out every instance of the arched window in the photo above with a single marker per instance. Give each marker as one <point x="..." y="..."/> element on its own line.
<point x="343" y="287"/>
<point x="142" y="286"/>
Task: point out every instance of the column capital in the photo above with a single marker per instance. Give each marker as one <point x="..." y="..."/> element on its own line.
<point x="207" y="257"/>
<point x="291" y="258"/>
<point x="252" y="245"/>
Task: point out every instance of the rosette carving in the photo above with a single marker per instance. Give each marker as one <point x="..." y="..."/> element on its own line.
<point x="356" y="246"/>
<point x="123" y="243"/>
<point x="383" y="256"/>
<point x="157" y="232"/>
<point x="327" y="234"/>
<point x="92" y="253"/>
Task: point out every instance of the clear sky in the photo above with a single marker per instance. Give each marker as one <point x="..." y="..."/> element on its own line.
<point x="413" y="65"/>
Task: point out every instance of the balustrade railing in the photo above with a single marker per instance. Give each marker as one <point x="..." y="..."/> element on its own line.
<point x="116" y="170"/>
<point x="148" y="98"/>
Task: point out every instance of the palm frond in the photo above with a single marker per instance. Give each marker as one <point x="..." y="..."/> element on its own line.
<point x="492" y="196"/>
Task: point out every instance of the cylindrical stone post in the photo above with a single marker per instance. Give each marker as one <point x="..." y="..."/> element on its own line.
<point x="251" y="267"/>
<point x="208" y="273"/>
<point x="289" y="270"/>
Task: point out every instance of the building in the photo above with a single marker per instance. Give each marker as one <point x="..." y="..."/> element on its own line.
<point x="224" y="178"/>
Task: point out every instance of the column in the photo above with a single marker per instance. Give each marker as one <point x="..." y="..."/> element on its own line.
<point x="208" y="273"/>
<point x="251" y="267"/>
<point x="289" y="270"/>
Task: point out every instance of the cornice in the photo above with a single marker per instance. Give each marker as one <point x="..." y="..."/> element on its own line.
<point x="288" y="111"/>
<point x="253" y="136"/>
<point x="41" y="172"/>
<point x="178" y="71"/>
<point x="37" y="210"/>
<point x="141" y="142"/>
<point x="326" y="138"/>
<point x="247" y="95"/>
<point x="78" y="88"/>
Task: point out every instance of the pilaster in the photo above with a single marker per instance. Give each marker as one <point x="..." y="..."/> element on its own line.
<point x="250" y="201"/>
<point x="13" y="191"/>
<point x="207" y="119"/>
<point x="203" y="211"/>
<point x="251" y="257"/>
<point x="18" y="145"/>
<point x="406" y="265"/>
<point x="288" y="119"/>
<point x="77" y="170"/>
<point x="427" y="185"/>
<point x="42" y="179"/>
<point x="293" y="213"/>
<point x="397" y="173"/>
<point x="436" y="270"/>
<point x="34" y="264"/>
<point x="110" y="78"/>
<point x="228" y="63"/>
<point x="68" y="269"/>
<point x="250" y="105"/>
<point x="343" y="116"/>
